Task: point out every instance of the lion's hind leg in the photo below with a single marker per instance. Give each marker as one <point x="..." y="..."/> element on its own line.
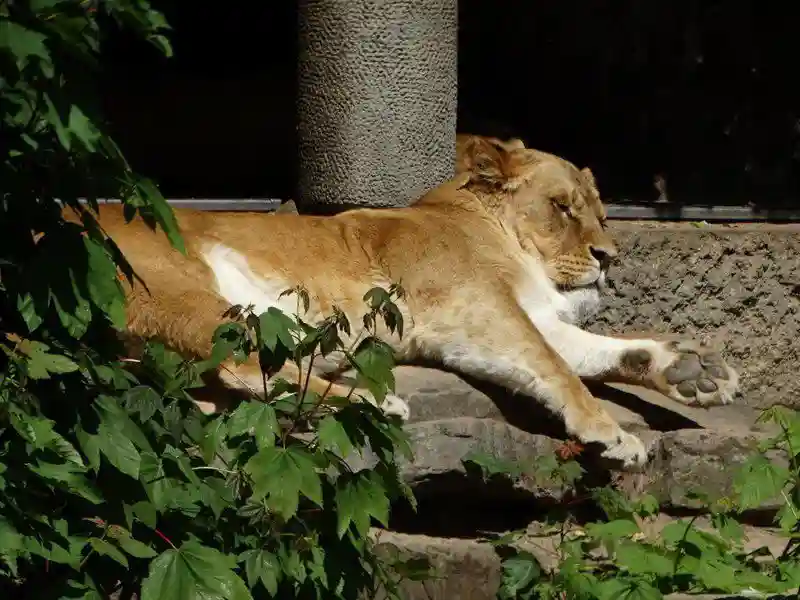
<point x="165" y="316"/>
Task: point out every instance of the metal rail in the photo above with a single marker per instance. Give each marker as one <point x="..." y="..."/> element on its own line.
<point x="644" y="212"/>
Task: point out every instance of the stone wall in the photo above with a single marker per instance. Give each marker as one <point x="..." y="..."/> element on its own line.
<point x="737" y="285"/>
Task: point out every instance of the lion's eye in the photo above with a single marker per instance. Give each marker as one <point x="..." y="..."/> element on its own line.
<point x="564" y="208"/>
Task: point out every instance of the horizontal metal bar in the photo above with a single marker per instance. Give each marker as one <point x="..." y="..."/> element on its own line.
<point x="672" y="212"/>
<point x="644" y="212"/>
<point x="232" y="204"/>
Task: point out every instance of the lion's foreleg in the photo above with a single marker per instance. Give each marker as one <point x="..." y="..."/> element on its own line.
<point x="495" y="341"/>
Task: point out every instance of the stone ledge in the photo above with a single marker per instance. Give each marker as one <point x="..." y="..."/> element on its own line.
<point x="433" y="394"/>
<point x="472" y="569"/>
<point x="685" y="461"/>
<point x="451" y="417"/>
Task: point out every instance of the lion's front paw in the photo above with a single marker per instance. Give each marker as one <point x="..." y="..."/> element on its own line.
<point x="628" y="449"/>
<point x="395" y="405"/>
<point x="697" y="376"/>
<point x="391" y="404"/>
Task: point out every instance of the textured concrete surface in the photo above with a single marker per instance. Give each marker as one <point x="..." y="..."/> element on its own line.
<point x="376" y="100"/>
<point x="737" y="286"/>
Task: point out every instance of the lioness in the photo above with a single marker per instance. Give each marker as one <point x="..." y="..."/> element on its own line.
<point x="497" y="265"/>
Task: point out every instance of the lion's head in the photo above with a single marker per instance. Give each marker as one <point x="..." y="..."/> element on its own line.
<point x="552" y="207"/>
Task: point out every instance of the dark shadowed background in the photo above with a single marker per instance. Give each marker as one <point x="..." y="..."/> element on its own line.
<point x="699" y="93"/>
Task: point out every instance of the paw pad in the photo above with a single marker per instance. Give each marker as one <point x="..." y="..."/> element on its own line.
<point x="686" y="367"/>
<point x="699" y="377"/>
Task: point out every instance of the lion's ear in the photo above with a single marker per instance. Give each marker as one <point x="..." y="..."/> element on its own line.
<point x="600" y="208"/>
<point x="487" y="162"/>
<point x="515" y="144"/>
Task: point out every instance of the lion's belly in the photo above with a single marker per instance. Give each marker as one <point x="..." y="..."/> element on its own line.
<point x="238" y="283"/>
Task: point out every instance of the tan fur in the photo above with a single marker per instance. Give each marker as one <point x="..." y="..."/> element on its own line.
<point x="477" y="256"/>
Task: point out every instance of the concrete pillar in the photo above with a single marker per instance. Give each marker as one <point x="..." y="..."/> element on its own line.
<point x="376" y="101"/>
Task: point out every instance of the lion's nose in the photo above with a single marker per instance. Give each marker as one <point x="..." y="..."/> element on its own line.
<point x="603" y="255"/>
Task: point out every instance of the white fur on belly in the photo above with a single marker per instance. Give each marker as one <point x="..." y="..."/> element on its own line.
<point x="238" y="284"/>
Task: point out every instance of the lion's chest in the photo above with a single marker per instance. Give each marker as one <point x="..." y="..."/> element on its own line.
<point x="544" y="304"/>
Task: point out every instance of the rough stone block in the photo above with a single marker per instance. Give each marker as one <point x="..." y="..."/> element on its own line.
<point x="462" y="569"/>
<point x="697" y="460"/>
<point x="686" y="461"/>
<point x="472" y="569"/>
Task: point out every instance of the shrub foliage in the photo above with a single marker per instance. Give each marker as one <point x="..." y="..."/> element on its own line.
<point x="111" y="480"/>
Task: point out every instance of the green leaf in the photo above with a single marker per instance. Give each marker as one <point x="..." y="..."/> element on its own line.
<point x="788" y="516"/>
<point x="612" y="530"/>
<point x="758" y="481"/>
<point x="43" y="5"/>
<point x="790" y="569"/>
<point x="24" y="44"/>
<point x="491" y="465"/>
<point x="292" y="564"/>
<point x="104" y="287"/>
<point x="10" y="538"/>
<point x="29" y="311"/>
<point x="53" y="117"/>
<point x="647" y="505"/>
<point x="55" y="363"/>
<point x="193" y="572"/>
<point x="333" y="436"/>
<point x="263" y="566"/>
<point x="77" y="320"/>
<point x="82" y="128"/>
<point x="716" y="574"/>
<point x="276" y="326"/>
<point x="643" y="559"/>
<point x="40" y="364"/>
<point x="519" y="572"/>
<point x="68" y="474"/>
<point x="254" y="418"/>
<point x="135" y="548"/>
<point x="114" y="416"/>
<point x="145" y="512"/>
<point x="181" y="459"/>
<point x="214" y="434"/>
<point x="82" y="591"/>
<point x="628" y="589"/>
<point x="142" y="399"/>
<point x="90" y="446"/>
<point x="360" y="497"/>
<point x="377" y="297"/>
<point x="374" y="361"/>
<point x="613" y="503"/>
<point x="283" y="474"/>
<point x="160" y="208"/>
<point x="576" y="581"/>
<point x="119" y="450"/>
<point x="104" y="548"/>
<point x="157" y="485"/>
<point x="683" y="532"/>
<point x="728" y="527"/>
